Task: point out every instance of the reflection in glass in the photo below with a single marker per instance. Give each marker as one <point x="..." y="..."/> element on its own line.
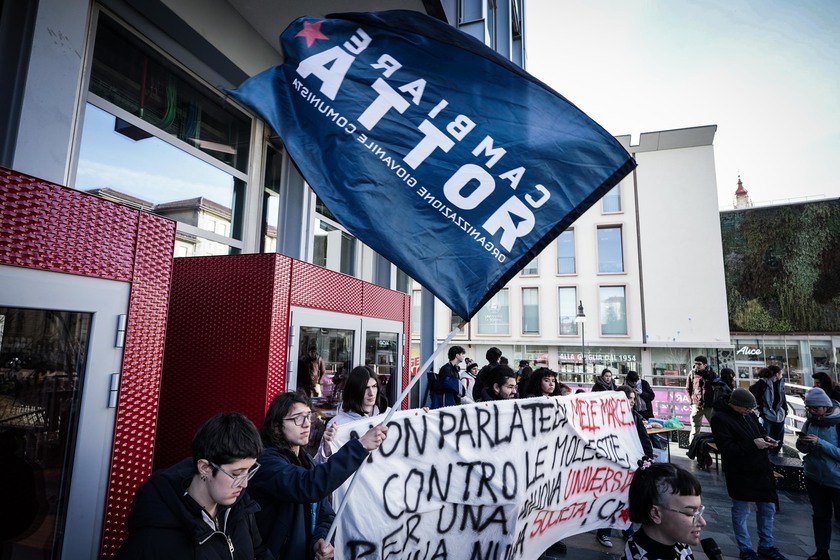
<point x="334" y="249"/>
<point x="42" y="364"/>
<point x="530" y="311"/>
<point x="381" y="354"/>
<point x="566" y="252"/>
<point x="136" y="78"/>
<point x="494" y="317"/>
<point x="613" y="310"/>
<point x="610" y="253"/>
<point x="157" y="177"/>
<point x="568" y="311"/>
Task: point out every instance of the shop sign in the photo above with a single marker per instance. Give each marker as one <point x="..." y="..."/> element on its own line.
<point x="748" y="351"/>
<point x="593" y="357"/>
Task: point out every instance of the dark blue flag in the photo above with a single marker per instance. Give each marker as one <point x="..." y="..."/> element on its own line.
<point x="431" y="148"/>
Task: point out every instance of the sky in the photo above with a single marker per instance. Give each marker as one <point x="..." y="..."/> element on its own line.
<point x="767" y="73"/>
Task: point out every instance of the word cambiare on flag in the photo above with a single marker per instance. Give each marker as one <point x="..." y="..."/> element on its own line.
<point x="431" y="148"/>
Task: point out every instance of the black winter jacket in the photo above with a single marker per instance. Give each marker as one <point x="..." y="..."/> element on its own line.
<point x="749" y="475"/>
<point x="288" y="486"/>
<point x="166" y="523"/>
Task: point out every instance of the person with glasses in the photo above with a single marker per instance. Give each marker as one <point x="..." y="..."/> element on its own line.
<point x="501" y="384"/>
<point x="665" y="499"/>
<point x="292" y="491"/>
<point x="199" y="507"/>
<point x="820" y="441"/>
<point x="744" y="445"/>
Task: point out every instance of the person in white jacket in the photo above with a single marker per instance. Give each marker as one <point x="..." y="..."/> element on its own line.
<point x="361" y="391"/>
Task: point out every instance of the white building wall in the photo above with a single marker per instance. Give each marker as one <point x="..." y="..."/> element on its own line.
<point x="682" y="254"/>
<point x="669" y="220"/>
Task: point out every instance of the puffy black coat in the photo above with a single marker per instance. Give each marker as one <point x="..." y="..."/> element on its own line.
<point x="288" y="485"/>
<point x="164" y="523"/>
<point x="748" y="472"/>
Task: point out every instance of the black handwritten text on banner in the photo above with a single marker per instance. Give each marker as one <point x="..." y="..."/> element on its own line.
<point x="491" y="480"/>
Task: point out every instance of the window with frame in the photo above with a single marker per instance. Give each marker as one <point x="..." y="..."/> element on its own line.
<point x="494" y="317"/>
<point x="530" y="311"/>
<point x="334" y="248"/>
<point x="567" y="310"/>
<point x="566" y="252"/>
<point x="156" y="138"/>
<point x="454" y="321"/>
<point x="611" y="203"/>
<point x="532" y="268"/>
<point x="613" y="310"/>
<point x="610" y="251"/>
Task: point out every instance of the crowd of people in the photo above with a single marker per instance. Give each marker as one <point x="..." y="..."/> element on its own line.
<point x="249" y="493"/>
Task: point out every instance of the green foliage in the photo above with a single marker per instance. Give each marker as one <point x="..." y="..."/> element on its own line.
<point x="783" y="267"/>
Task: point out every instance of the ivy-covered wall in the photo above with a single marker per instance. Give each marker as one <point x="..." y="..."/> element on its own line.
<point x="782" y="267"/>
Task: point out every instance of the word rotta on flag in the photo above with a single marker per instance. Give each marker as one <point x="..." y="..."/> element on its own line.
<point x="431" y="148"/>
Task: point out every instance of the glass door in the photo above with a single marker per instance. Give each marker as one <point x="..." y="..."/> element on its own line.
<point x="57" y="355"/>
<point x="337" y="343"/>
<point x="383" y="352"/>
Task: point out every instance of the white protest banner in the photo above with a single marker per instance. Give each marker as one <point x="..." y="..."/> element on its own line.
<point x="494" y="480"/>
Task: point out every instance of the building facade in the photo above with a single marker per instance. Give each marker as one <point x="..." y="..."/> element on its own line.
<point x="646" y="265"/>
<point x="126" y="100"/>
<point x="782" y="287"/>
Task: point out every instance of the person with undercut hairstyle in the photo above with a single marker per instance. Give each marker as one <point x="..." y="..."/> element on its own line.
<point x="665" y="499"/>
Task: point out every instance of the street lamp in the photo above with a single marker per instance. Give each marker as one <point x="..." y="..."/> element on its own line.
<point x="580" y="319"/>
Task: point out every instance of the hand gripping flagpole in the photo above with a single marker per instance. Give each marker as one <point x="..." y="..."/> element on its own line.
<point x="388" y="414"/>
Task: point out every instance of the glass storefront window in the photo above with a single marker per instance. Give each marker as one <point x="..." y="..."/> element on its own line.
<point x="494" y="317"/>
<point x="670" y="367"/>
<point x="42" y="363"/>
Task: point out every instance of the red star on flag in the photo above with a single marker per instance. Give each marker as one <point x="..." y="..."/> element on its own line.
<point x="311" y="31"/>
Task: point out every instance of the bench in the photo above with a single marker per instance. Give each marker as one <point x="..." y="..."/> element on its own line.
<point x="713" y="450"/>
<point x="789" y="473"/>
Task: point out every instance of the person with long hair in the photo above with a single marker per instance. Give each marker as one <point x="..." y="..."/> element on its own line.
<point x="198" y="508"/>
<point x="544" y="383"/>
<point x="665" y="499"/>
<point x="820" y="441"/>
<point x="361" y="392"/>
<point x="827" y="384"/>
<point x="293" y="492"/>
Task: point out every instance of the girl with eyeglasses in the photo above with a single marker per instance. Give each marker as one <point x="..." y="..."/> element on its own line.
<point x="292" y="491"/>
<point x="665" y="499"/>
<point x="198" y="508"/>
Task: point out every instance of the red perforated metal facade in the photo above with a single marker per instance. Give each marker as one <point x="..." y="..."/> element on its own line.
<point x="228" y="335"/>
<point x="50" y="227"/>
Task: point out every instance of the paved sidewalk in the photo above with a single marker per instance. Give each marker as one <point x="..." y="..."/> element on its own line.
<point x="792" y="532"/>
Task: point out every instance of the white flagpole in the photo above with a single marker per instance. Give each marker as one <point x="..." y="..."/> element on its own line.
<point x="388" y="414"/>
